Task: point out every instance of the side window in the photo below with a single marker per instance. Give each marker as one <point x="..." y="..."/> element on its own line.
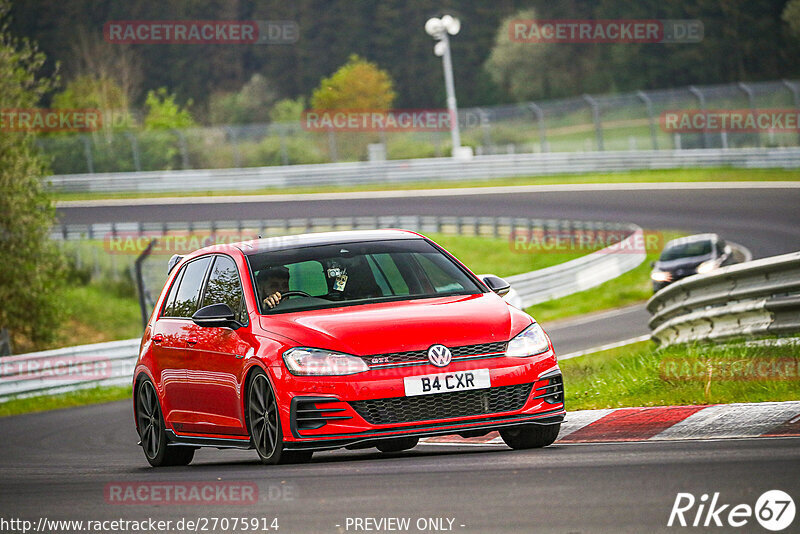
<point x="169" y="308"/>
<point x="224" y="286"/>
<point x="188" y="295"/>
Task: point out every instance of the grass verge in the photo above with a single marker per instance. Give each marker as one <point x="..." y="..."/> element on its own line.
<point x="721" y="174"/>
<point x="64" y="400"/>
<point x="643" y="375"/>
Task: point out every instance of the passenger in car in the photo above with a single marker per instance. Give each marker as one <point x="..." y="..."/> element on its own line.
<point x="272" y="282"/>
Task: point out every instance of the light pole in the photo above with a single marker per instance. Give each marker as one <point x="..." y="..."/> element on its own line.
<point x="439" y="28"/>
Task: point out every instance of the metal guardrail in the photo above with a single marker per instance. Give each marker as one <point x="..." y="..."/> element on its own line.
<point x="757" y="298"/>
<point x="422" y="170"/>
<point x="102" y="364"/>
<point x="68" y="369"/>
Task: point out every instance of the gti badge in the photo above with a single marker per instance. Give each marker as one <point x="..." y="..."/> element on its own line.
<point x="439" y="355"/>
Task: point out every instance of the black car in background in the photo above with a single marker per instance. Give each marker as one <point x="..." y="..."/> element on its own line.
<point x="695" y="254"/>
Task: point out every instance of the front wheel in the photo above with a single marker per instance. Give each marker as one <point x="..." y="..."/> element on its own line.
<point x="264" y="425"/>
<point x="530" y="436"/>
<point x="152" y="431"/>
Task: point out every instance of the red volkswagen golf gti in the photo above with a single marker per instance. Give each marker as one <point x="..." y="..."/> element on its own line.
<point x="345" y="339"/>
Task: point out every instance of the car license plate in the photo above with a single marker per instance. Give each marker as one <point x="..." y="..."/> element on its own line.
<point x="447" y="382"/>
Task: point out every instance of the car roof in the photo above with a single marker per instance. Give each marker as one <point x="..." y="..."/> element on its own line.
<point x="692" y="239"/>
<point x="288" y="242"/>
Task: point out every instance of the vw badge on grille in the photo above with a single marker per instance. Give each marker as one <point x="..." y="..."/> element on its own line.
<point x="439" y="355"/>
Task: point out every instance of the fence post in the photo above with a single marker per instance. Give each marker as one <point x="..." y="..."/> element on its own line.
<point x="701" y="100"/>
<point x="284" y="148"/>
<point x="750" y="100"/>
<point x="795" y="94"/>
<point x="237" y="157"/>
<point x="332" y="146"/>
<point x="539" y="114"/>
<point x="598" y="126"/>
<point x="140" y="280"/>
<point x="87" y="151"/>
<point x="184" y="147"/>
<point x="651" y="119"/>
<point x="137" y="163"/>
<point x="485" y="130"/>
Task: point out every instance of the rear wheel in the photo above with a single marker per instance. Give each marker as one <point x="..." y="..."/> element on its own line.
<point x="152" y="431"/>
<point x="397" y="444"/>
<point x="263" y="423"/>
<point x="530" y="436"/>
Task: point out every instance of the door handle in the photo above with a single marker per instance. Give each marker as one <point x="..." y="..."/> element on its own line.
<point x="191" y="340"/>
<point x="157" y="338"/>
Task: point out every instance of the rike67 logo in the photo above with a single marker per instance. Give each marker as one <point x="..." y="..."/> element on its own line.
<point x="774" y="510"/>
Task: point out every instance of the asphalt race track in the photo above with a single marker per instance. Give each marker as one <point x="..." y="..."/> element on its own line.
<point x="59" y="465"/>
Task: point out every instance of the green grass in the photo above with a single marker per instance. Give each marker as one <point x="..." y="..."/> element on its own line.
<point x="95" y="314"/>
<point x="723" y="174"/>
<point x="630" y="288"/>
<point x="64" y="400"/>
<point x="643" y="375"/>
<point x="495" y="256"/>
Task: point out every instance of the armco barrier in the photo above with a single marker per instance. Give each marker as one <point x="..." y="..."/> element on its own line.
<point x="423" y="170"/>
<point x="62" y="370"/>
<point x="757" y="298"/>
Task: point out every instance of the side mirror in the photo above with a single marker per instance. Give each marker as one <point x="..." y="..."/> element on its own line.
<point x="496" y="284"/>
<point x="652" y="264"/>
<point x="216" y="316"/>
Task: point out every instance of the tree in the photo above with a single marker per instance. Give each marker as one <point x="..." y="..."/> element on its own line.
<point x="358" y="84"/>
<point x="163" y="113"/>
<point x="31" y="273"/>
<point x="288" y="110"/>
<point x="103" y="93"/>
<point x="791" y="16"/>
<point x="251" y="104"/>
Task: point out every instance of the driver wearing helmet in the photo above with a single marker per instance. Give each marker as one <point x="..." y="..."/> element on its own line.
<point x="272" y="282"/>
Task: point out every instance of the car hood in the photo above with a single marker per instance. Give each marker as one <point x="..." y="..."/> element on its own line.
<point x="401" y="326"/>
<point x="682" y="263"/>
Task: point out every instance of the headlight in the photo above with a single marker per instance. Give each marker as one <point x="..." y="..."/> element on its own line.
<point x="661" y="276"/>
<point x="319" y="362"/>
<point x="529" y="342"/>
<point x="708" y="266"/>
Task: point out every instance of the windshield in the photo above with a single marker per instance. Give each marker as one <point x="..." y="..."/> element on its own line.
<point x="686" y="250"/>
<point x="355" y="273"/>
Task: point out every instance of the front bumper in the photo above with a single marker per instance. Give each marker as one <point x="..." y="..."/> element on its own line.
<point x="321" y="413"/>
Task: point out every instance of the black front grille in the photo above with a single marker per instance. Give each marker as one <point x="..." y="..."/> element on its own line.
<point x="443" y="405"/>
<point x="418" y="355"/>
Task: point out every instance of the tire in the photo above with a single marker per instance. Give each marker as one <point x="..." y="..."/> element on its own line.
<point x="152" y="432"/>
<point x="397" y="444"/>
<point x="263" y="424"/>
<point x="530" y="436"/>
